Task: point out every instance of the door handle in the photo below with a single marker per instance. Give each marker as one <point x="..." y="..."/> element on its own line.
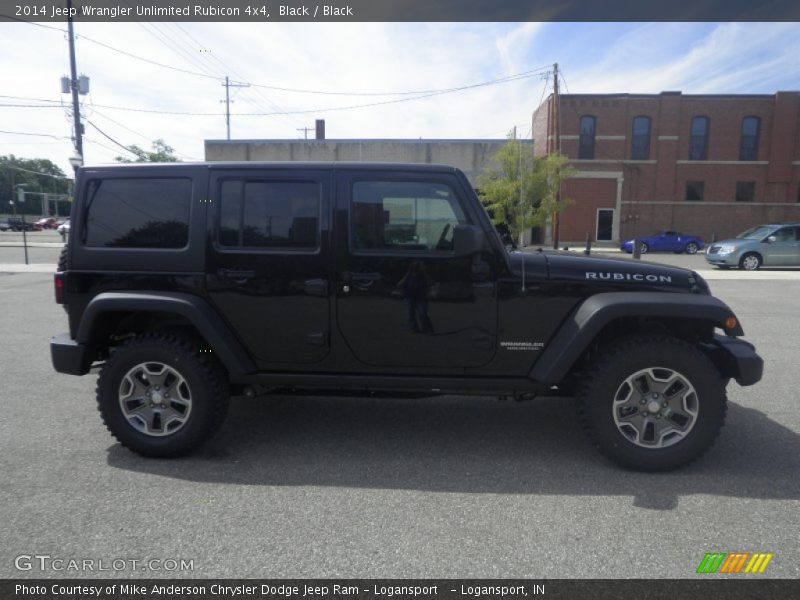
<point x="237" y="275"/>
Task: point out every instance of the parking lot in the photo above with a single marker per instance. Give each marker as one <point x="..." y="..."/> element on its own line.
<point x="338" y="487"/>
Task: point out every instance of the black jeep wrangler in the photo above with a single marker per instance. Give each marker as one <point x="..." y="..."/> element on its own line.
<point x="185" y="284"/>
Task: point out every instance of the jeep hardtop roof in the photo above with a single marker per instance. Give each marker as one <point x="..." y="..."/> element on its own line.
<point x="337" y="165"/>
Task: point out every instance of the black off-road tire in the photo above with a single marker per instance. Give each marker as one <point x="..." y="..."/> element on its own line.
<point x="204" y="376"/>
<point x="62" y="260"/>
<point x="595" y="399"/>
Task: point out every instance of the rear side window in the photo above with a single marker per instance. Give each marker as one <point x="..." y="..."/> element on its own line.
<point x="138" y="213"/>
<point x="404" y="216"/>
<point x="269" y="214"/>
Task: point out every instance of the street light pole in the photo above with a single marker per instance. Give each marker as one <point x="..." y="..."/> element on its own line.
<point x="21" y="201"/>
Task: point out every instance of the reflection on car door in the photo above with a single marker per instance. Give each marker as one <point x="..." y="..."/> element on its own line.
<point x="402" y="297"/>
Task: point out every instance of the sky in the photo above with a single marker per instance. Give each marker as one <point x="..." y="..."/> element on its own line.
<point x="343" y="59"/>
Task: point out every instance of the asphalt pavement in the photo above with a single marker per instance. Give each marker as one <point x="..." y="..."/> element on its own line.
<point x="351" y="487"/>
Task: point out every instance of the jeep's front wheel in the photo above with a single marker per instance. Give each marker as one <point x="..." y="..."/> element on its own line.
<point x="160" y="397"/>
<point x="653" y="403"/>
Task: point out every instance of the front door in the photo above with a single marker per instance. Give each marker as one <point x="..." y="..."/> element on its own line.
<point x="605" y="224"/>
<point x="267" y="269"/>
<point x="403" y="299"/>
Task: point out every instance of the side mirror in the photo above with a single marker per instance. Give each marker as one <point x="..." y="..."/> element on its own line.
<point x="771" y="239"/>
<point x="467" y="240"/>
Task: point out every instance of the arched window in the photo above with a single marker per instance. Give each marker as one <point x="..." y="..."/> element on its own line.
<point x="698" y="139"/>
<point x="586" y="145"/>
<point x="640" y="141"/>
<point x="748" y="147"/>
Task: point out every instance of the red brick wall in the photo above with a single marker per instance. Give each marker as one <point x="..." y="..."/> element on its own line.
<point x="663" y="177"/>
<point x="587" y="196"/>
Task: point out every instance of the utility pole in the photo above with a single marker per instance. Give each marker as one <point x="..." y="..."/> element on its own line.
<point x="557" y="148"/>
<point x="76" y="109"/>
<point x="228" y="85"/>
<point x="305" y="131"/>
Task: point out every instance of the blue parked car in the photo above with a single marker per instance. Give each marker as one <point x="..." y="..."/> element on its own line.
<point x="666" y="241"/>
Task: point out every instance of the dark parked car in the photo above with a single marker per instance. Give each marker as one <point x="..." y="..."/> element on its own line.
<point x="16" y="224"/>
<point x="666" y="241"/>
<point x="187" y="283"/>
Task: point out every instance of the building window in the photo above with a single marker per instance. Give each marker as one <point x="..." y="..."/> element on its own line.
<point x="640" y="146"/>
<point x="748" y="148"/>
<point x="698" y="140"/>
<point x="745" y="191"/>
<point x="586" y="146"/>
<point x="695" y="191"/>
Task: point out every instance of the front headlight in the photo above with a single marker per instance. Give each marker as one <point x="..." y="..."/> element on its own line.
<point x="726" y="249"/>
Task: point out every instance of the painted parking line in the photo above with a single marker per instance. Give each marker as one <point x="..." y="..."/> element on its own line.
<point x="22" y="268"/>
<point x="762" y="275"/>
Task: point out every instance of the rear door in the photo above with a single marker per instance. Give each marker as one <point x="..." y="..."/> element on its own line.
<point x="403" y="299"/>
<point x="267" y="267"/>
<point x="785" y="250"/>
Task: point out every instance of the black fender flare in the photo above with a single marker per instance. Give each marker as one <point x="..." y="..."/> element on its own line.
<point x="196" y="310"/>
<point x="589" y="318"/>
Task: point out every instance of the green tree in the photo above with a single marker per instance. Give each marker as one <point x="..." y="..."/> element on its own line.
<point x="520" y="190"/>
<point x="161" y="152"/>
<point x="38" y="175"/>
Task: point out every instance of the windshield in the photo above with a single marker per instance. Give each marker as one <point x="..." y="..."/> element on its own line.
<point x="756" y="233"/>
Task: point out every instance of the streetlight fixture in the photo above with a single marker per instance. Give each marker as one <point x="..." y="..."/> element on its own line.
<point x="76" y="161"/>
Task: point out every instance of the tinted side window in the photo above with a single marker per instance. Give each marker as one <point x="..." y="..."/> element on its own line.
<point x="395" y="215"/>
<point x="138" y="213"/>
<point x="269" y="214"/>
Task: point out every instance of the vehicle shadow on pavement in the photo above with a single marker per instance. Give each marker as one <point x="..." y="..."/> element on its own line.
<point x="466" y="445"/>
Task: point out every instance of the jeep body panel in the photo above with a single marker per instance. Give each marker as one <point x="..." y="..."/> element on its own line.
<point x="329" y="313"/>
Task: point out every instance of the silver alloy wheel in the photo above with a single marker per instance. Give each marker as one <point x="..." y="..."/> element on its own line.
<point x="155" y="399"/>
<point x="655" y="407"/>
<point x="691" y="248"/>
<point x="750" y="262"/>
<point x="643" y="248"/>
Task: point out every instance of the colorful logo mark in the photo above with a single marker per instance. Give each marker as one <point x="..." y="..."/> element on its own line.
<point x="734" y="562"/>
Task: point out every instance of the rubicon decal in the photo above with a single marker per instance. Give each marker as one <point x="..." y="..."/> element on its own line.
<point x="607" y="276"/>
<point x="734" y="562"/>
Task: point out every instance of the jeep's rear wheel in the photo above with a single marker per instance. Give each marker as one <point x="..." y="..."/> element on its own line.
<point x="653" y="403"/>
<point x="159" y="397"/>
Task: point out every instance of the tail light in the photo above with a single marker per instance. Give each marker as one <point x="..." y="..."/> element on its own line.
<point x="58" y="284"/>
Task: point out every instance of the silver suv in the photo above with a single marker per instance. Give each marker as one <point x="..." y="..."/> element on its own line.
<point x="776" y="245"/>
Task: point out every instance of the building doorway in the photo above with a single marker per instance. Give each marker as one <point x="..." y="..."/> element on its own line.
<point x="605" y="224"/>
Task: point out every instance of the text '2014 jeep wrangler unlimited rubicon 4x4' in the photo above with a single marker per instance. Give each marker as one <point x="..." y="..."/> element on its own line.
<point x="187" y="283"/>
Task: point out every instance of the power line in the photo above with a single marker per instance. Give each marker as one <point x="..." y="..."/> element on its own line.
<point x="57" y="137"/>
<point x="318" y="110"/>
<point x="108" y="137"/>
<point x="140" y="134"/>
<point x="206" y="75"/>
<point x="3" y="164"/>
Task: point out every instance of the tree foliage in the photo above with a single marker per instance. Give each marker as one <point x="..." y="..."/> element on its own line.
<point x="161" y="152"/>
<point x="12" y="174"/>
<point x="521" y="190"/>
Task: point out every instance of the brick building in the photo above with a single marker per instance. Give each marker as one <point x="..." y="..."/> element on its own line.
<point x="704" y="164"/>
